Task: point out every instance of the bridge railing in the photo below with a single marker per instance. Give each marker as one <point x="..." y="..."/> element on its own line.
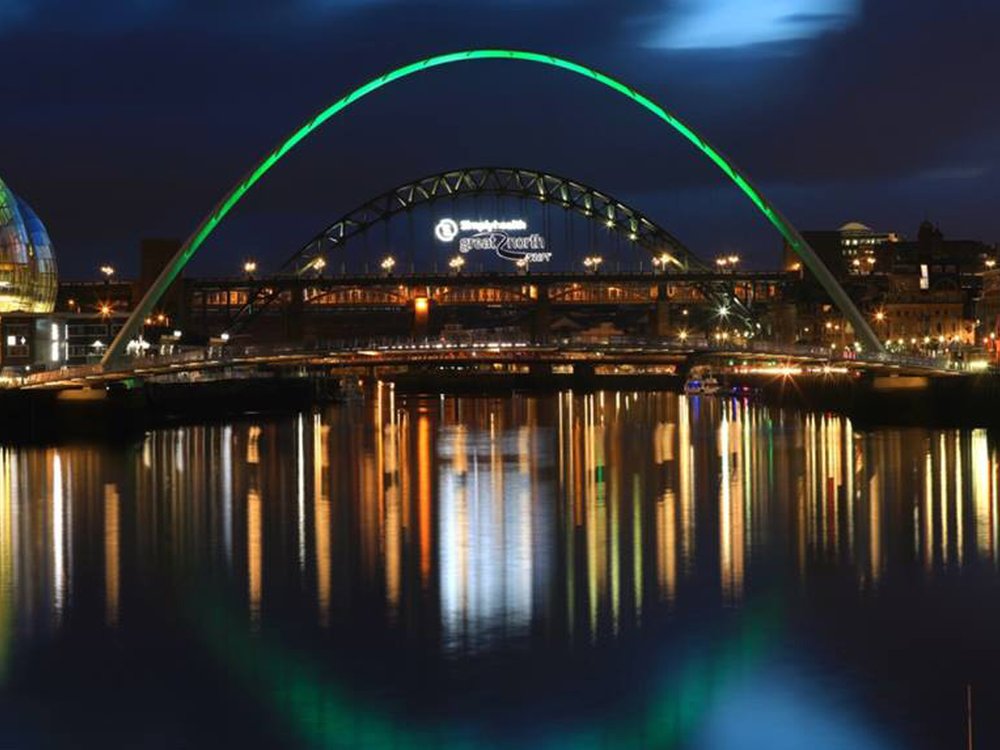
<point x="233" y="354"/>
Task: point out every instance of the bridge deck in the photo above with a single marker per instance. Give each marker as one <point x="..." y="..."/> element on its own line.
<point x="369" y="354"/>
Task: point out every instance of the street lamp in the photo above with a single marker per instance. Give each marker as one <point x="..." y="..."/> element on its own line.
<point x="105" y="310"/>
<point x="660" y="261"/>
<point x="727" y="262"/>
<point x="319" y="264"/>
<point x="456" y="263"/>
<point x="593" y="263"/>
<point x="387" y="264"/>
<point x="108" y="271"/>
<point x="250" y="267"/>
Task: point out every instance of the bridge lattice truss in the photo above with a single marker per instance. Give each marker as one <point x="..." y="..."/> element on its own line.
<point x="545" y="188"/>
<point x="551" y="189"/>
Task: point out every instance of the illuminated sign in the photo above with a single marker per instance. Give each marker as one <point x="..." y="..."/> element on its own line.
<point x="495" y="235"/>
<point x="446" y="230"/>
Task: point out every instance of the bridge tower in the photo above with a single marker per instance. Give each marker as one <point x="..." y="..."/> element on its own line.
<point x="421" y="316"/>
<point x="661" y="312"/>
<point x="541" y="316"/>
<point x="294" y="317"/>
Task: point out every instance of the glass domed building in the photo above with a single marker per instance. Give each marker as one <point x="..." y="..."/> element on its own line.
<point x="28" y="277"/>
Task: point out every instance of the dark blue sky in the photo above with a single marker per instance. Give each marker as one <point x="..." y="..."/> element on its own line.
<point x="129" y="119"/>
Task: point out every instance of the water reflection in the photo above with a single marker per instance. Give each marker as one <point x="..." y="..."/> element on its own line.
<point x="475" y="525"/>
<point x="491" y="512"/>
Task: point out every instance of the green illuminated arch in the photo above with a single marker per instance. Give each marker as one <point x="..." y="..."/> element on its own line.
<point x="210" y="222"/>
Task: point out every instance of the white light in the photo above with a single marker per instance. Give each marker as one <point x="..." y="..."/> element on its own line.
<point x="224" y="336"/>
<point x="446" y="230"/>
<point x="177" y="334"/>
<point x="491" y="225"/>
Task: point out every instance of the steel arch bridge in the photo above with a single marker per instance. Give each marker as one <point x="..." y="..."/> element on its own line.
<point x="543" y="187"/>
<point x="208" y="225"/>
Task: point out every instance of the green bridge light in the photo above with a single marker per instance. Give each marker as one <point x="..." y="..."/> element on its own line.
<point x="208" y="225"/>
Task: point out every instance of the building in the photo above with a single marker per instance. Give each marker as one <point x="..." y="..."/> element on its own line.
<point x="28" y="285"/>
<point x="921" y="294"/>
<point x="938" y="262"/>
<point x="853" y="250"/>
<point x="28" y="275"/>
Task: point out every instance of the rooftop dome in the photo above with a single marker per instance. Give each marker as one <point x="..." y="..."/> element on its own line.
<point x="28" y="276"/>
<point x="855" y="226"/>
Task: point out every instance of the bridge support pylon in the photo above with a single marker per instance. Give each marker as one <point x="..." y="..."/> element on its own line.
<point x="785" y="323"/>
<point x="421" y="317"/>
<point x="294" y="313"/>
<point x="661" y="313"/>
<point x="541" y="316"/>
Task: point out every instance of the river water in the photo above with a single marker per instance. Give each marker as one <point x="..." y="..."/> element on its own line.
<point x="606" y="570"/>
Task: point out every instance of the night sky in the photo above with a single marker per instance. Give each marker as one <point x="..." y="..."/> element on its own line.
<point x="129" y="119"/>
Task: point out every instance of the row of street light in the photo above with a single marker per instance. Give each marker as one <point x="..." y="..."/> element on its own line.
<point x="592" y="263"/>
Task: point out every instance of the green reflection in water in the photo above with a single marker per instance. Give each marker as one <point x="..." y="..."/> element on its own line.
<point x="322" y="713"/>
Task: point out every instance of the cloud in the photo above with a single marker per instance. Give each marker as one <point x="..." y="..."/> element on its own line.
<point x="13" y="12"/>
<point x="726" y="24"/>
<point x="953" y="173"/>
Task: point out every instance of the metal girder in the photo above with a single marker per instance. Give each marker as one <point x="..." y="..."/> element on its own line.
<point x="515" y="182"/>
<point x="570" y="195"/>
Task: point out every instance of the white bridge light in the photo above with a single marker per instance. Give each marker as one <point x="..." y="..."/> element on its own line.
<point x="501" y="236"/>
<point x="446" y="230"/>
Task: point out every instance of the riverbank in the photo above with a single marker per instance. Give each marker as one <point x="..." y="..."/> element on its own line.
<point x="122" y="412"/>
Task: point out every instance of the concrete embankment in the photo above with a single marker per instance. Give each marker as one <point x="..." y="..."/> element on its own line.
<point x="933" y="401"/>
<point x="120" y="412"/>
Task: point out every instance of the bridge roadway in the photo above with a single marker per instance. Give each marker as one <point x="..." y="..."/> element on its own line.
<point x="230" y="361"/>
<point x="469" y="277"/>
